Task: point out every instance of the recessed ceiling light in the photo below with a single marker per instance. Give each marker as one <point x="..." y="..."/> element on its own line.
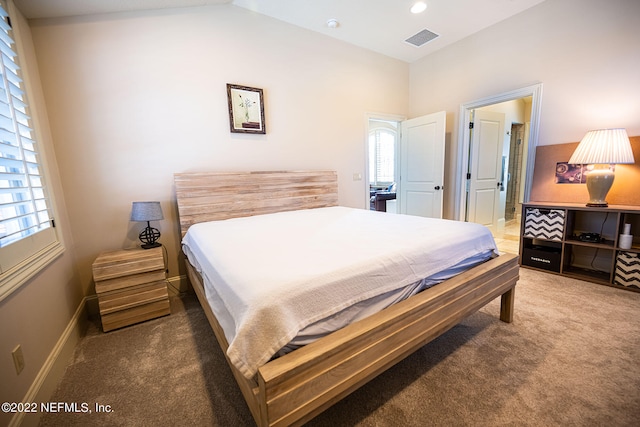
<point x="419" y="7"/>
<point x="332" y="23"/>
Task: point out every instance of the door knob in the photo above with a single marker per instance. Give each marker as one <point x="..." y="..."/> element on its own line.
<point x="437" y="187"/>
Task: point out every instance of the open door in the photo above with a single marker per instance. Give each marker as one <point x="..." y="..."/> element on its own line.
<point x="485" y="170"/>
<point x="422" y="165"/>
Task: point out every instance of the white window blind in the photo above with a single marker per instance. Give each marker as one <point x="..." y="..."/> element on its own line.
<point x="25" y="215"/>
<point x="382" y="156"/>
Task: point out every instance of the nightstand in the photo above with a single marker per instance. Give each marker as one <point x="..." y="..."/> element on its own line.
<point x="131" y="286"/>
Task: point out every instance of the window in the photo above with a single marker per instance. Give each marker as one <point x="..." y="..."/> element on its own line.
<point x="382" y="152"/>
<point x="27" y="236"/>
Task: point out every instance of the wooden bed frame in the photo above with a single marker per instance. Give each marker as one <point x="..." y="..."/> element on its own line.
<point x="292" y="389"/>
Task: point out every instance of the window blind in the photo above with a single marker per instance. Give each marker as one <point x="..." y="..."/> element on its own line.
<point x="28" y="238"/>
<point x="381" y="157"/>
<point x="24" y="207"/>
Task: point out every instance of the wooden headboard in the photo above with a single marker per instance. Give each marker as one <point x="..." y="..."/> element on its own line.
<point x="211" y="196"/>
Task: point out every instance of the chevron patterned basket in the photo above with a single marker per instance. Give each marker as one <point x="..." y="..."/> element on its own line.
<point x="628" y="269"/>
<point x="545" y="224"/>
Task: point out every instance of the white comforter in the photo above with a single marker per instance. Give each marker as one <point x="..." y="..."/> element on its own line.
<point x="269" y="276"/>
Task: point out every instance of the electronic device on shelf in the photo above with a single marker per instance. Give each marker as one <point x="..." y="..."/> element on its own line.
<point x="590" y="237"/>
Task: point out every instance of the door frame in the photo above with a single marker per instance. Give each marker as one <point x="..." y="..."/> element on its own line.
<point x="535" y="92"/>
<point x="388" y="118"/>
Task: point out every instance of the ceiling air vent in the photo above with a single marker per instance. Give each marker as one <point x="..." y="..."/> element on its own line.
<point x="421" y="38"/>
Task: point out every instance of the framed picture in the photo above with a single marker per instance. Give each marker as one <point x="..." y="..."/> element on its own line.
<point x="246" y="109"/>
<point x="574" y="174"/>
<point x="569" y="174"/>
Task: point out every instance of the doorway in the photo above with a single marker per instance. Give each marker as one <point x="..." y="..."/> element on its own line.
<point x="383" y="140"/>
<point x="405" y="164"/>
<point x="522" y="113"/>
<point x="513" y="205"/>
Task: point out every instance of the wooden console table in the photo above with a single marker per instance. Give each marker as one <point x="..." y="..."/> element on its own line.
<point x="582" y="242"/>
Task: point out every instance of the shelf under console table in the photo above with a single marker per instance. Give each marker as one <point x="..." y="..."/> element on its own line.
<point x="583" y="242"/>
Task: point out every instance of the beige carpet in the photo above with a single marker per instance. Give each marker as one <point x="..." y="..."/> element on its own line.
<point x="571" y="358"/>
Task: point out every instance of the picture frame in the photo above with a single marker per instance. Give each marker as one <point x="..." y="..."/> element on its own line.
<point x="569" y="174"/>
<point x="246" y="109"/>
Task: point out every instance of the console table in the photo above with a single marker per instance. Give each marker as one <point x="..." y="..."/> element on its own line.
<point x="582" y="242"/>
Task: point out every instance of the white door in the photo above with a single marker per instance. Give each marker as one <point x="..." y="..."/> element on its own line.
<point x="422" y="165"/>
<point x="486" y="168"/>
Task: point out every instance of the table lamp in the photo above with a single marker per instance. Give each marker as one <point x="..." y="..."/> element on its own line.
<point x="602" y="148"/>
<point x="147" y="211"/>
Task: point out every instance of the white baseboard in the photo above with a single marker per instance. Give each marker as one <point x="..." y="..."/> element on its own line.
<point x="47" y="379"/>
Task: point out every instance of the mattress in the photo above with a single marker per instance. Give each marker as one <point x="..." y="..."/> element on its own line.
<point x="282" y="280"/>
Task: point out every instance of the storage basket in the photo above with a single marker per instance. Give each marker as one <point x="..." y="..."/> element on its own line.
<point x="540" y="223"/>
<point x="628" y="269"/>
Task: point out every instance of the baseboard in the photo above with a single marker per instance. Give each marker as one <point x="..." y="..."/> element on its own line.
<point x="178" y="285"/>
<point x="47" y="379"/>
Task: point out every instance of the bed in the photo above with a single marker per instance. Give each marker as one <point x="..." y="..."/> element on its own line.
<point x="293" y="388"/>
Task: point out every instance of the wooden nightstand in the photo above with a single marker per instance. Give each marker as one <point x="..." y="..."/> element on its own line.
<point x="131" y="286"/>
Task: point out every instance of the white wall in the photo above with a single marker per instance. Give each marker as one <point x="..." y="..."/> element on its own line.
<point x="584" y="52"/>
<point x="134" y="98"/>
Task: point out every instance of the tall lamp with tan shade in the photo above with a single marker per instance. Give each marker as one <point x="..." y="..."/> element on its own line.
<point x="602" y="148"/>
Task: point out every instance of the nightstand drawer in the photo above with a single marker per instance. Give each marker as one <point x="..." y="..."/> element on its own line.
<point x="134" y="296"/>
<point x="114" y="264"/>
<point x="127" y="281"/>
<point x="135" y="315"/>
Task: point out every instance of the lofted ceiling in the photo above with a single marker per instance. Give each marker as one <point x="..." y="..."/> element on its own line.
<point x="382" y="26"/>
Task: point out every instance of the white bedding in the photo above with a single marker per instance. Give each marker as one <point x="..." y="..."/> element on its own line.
<point x="268" y="277"/>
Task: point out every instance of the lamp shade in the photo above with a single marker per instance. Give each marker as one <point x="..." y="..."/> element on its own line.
<point x="146" y="211"/>
<point x="603" y="146"/>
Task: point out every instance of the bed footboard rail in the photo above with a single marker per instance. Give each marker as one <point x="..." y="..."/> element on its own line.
<point x="298" y="386"/>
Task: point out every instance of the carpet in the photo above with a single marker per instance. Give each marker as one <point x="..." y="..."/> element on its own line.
<point x="571" y="357"/>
